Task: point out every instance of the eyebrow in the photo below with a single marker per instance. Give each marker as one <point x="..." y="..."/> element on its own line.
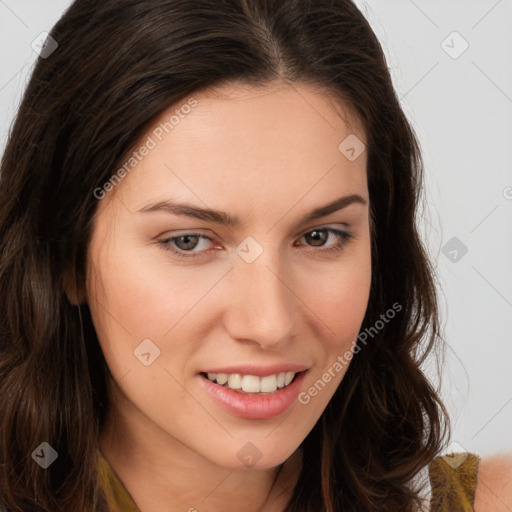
<point x="225" y="219"/>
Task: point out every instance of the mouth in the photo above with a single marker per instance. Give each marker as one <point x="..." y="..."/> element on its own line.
<point x="246" y="384"/>
<point x="253" y="397"/>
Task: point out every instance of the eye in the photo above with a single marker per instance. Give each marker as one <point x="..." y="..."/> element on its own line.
<point x="319" y="236"/>
<point x="183" y="246"/>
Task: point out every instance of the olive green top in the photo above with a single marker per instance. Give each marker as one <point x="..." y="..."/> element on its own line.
<point x="119" y="498"/>
<point x="452" y="480"/>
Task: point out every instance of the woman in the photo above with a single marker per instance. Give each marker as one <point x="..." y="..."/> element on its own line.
<point x="214" y="296"/>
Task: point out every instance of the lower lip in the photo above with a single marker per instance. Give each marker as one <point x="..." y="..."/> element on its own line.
<point x="254" y="407"/>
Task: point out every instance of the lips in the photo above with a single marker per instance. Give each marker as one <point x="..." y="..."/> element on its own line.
<point x="254" y="406"/>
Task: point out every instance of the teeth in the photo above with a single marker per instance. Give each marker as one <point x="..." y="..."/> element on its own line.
<point x="288" y="378"/>
<point x="252" y="383"/>
<point x="222" y="378"/>
<point x="235" y="381"/>
<point x="268" y="384"/>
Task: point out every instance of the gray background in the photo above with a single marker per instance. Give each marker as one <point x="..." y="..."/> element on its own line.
<point x="459" y="101"/>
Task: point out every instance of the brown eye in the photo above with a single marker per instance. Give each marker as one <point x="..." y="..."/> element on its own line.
<point x="317" y="237"/>
<point x="186" y="242"/>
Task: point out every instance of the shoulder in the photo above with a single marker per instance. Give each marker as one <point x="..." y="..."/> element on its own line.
<point x="494" y="484"/>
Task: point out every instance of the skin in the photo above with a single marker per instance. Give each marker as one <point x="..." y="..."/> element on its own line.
<point x="268" y="156"/>
<point x="494" y="489"/>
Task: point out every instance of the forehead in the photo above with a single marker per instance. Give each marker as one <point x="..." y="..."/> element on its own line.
<point x="249" y="144"/>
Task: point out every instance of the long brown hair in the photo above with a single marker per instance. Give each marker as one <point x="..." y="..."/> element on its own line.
<point x="119" y="63"/>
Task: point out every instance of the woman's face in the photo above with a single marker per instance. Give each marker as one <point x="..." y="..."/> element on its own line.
<point x="270" y="292"/>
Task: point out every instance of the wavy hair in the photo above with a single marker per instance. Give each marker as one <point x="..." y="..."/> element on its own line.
<point x="118" y="65"/>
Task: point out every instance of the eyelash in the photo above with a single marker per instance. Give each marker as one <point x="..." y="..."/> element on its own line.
<point x="344" y="238"/>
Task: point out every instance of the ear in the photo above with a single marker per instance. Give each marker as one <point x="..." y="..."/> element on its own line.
<point x="74" y="287"/>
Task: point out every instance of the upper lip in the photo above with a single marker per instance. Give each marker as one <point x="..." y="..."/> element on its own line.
<point x="259" y="371"/>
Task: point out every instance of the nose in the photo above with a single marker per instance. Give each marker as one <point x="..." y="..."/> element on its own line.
<point x="262" y="307"/>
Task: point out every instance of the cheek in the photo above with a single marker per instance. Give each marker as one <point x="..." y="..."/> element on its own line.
<point x="135" y="300"/>
<point x="341" y="303"/>
<point x="341" y="299"/>
<point x="146" y="298"/>
<point x="134" y="306"/>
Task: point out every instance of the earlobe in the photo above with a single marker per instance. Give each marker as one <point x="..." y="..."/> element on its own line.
<point x="73" y="288"/>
